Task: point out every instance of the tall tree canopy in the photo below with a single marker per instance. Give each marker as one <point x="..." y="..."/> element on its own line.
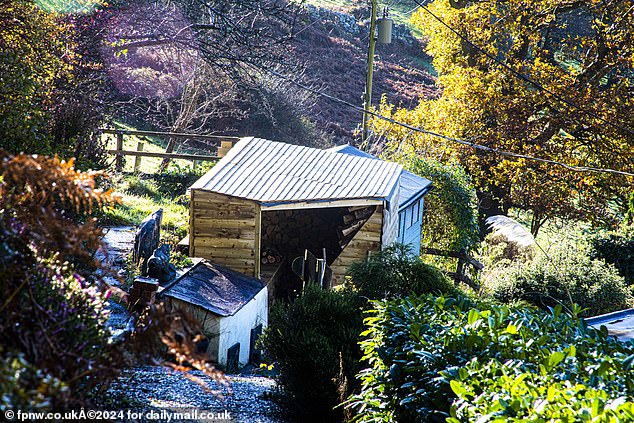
<point x="579" y="51"/>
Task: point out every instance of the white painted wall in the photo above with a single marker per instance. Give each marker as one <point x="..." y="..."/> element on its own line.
<point x="237" y="328"/>
<point x="390" y="217"/>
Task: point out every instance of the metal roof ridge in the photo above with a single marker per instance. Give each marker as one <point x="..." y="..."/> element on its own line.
<point x="222" y="163"/>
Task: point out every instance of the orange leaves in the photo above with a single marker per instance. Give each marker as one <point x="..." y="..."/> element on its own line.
<point x="54" y="201"/>
<point x="31" y="181"/>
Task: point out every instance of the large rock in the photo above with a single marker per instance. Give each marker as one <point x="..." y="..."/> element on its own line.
<point x="147" y="239"/>
<point x="159" y="265"/>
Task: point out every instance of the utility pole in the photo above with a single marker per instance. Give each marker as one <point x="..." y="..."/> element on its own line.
<point x="367" y="95"/>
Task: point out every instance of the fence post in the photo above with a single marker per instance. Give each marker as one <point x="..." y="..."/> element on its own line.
<point x="194" y="165"/>
<point x="224" y="148"/>
<point x="119" y="159"/>
<point x="460" y="267"/>
<point x="137" y="159"/>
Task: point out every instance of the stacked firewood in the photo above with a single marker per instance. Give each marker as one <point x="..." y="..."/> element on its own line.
<point x="290" y="231"/>
<point x="352" y="223"/>
<point x="271" y="256"/>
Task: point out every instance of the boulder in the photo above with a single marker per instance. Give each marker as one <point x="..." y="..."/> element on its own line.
<point x="147" y="239"/>
<point x="159" y="265"/>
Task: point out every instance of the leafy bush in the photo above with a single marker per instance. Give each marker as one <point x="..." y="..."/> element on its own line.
<point x="497" y="251"/>
<point x="616" y="249"/>
<point x="313" y="340"/>
<point x="54" y="346"/>
<point x="52" y="315"/>
<point x="450" y="220"/>
<point x="25" y="387"/>
<point x="395" y="272"/>
<point x="436" y="358"/>
<point x="562" y="277"/>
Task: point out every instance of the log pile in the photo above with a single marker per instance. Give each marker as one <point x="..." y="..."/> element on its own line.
<point x="290" y="232"/>
<point x="353" y="221"/>
<point x="271" y="256"/>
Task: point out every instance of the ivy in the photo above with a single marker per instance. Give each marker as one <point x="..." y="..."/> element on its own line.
<point x="450" y="220"/>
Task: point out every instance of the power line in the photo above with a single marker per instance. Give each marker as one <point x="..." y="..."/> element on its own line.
<point x="522" y="76"/>
<point x="445" y="137"/>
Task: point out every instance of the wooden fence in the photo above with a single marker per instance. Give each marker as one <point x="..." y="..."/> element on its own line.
<point x="463" y="259"/>
<point x="222" y="143"/>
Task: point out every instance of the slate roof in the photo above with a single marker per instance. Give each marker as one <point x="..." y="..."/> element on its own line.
<point x="412" y="186"/>
<point x="272" y="173"/>
<point x="214" y="288"/>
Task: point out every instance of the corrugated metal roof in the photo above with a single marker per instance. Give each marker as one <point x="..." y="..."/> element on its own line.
<point x="214" y="288"/>
<point x="273" y="172"/>
<point x="412" y="186"/>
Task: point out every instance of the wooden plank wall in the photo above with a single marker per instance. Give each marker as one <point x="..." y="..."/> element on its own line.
<point x="225" y="230"/>
<point x="367" y="239"/>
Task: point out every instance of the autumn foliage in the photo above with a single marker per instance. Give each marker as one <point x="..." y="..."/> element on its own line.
<point x="54" y="346"/>
<point x="580" y="54"/>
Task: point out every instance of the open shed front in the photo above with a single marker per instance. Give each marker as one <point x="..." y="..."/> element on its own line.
<point x="262" y="241"/>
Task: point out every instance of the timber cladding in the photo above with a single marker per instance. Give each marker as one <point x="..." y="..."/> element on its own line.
<point x="368" y="239"/>
<point x="225" y="230"/>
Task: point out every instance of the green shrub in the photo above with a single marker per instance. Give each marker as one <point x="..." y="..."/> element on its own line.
<point x="312" y="340"/>
<point x="395" y="272"/>
<point x="432" y="358"/>
<point x="450" y="220"/>
<point x="27" y="388"/>
<point x="616" y="249"/>
<point x="497" y="251"/>
<point x="561" y="277"/>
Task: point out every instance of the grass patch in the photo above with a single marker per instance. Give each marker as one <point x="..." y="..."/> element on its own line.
<point x="143" y="194"/>
<point x="151" y="144"/>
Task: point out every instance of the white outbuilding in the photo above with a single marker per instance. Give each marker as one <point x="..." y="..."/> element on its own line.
<point x="231" y="307"/>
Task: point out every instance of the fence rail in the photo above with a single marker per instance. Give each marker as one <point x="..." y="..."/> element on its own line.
<point x="222" y="142"/>
<point x="218" y="138"/>
<point x="164" y="155"/>
<point x="463" y="259"/>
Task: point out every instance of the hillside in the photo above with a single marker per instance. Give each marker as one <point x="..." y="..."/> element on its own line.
<point x="333" y="45"/>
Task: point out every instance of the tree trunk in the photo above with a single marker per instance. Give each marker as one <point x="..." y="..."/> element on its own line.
<point x="171" y="143"/>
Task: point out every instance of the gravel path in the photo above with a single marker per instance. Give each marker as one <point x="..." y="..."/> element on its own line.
<point x="155" y="393"/>
<point x="165" y="393"/>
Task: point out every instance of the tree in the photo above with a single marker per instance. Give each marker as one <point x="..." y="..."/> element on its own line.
<point x="581" y="51"/>
<point x="52" y="89"/>
<point x="188" y="66"/>
<point x="33" y="61"/>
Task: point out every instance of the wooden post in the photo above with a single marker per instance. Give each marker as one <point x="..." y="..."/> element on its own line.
<point x="460" y="267"/>
<point x="224" y="148"/>
<point x="119" y="158"/>
<point x="137" y="159"/>
<point x="194" y="165"/>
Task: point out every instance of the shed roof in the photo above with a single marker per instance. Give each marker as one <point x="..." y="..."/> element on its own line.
<point x="272" y="173"/>
<point x="412" y="186"/>
<point x="214" y="288"/>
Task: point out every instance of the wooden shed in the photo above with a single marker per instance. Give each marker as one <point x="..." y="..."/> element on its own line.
<point x="266" y="202"/>
<point x="411" y="201"/>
